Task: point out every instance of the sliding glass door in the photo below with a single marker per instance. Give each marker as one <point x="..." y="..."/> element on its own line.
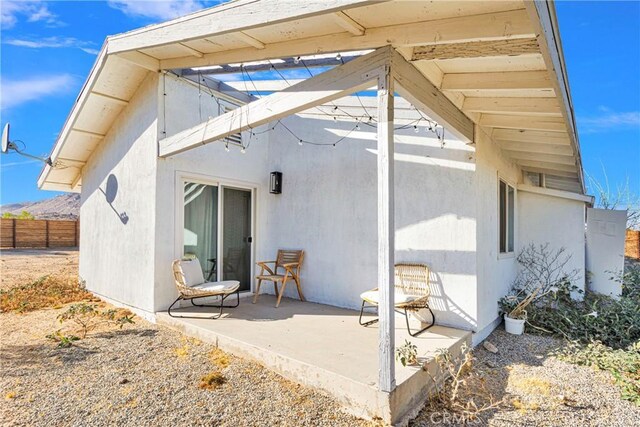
<point x="217" y="230"/>
<point x="236" y="245"/>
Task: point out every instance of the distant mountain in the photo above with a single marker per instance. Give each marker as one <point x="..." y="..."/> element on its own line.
<point x="65" y="206"/>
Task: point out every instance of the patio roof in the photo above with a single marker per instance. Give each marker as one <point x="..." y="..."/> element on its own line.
<point x="499" y="63"/>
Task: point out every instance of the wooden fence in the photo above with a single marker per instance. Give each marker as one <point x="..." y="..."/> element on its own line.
<point x="632" y="244"/>
<point x="38" y="233"/>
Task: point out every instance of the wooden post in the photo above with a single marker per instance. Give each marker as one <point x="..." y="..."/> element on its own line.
<point x="14" y="232"/>
<point x="46" y="233"/>
<point x="386" y="232"/>
<point x="77" y="232"/>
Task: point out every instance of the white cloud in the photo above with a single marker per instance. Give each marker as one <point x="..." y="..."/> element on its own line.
<point x="32" y="10"/>
<point x="160" y="10"/>
<point x="54" y="42"/>
<point x="17" y="92"/>
<point x="608" y="120"/>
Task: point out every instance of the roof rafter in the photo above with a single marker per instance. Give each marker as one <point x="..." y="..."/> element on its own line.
<point x="479" y="49"/>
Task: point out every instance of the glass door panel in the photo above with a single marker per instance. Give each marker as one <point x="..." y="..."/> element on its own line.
<point x="236" y="236"/>
<point x="201" y="226"/>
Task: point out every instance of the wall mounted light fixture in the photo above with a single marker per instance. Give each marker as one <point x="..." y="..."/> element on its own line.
<point x="275" y="186"/>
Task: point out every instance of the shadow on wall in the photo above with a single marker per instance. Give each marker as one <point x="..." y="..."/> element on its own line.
<point x="110" y="194"/>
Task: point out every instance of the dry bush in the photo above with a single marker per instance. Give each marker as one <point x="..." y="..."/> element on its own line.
<point x="219" y="358"/>
<point x="460" y="390"/>
<point x="212" y="380"/>
<point x="88" y="317"/>
<point x="47" y="291"/>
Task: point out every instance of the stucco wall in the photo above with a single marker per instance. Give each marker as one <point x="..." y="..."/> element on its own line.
<point x="117" y="238"/>
<point x="182" y="106"/>
<point x="555" y="221"/>
<point x="495" y="271"/>
<point x="329" y="208"/>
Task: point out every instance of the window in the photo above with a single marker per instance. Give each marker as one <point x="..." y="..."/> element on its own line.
<point x="234" y="138"/>
<point x="506" y="206"/>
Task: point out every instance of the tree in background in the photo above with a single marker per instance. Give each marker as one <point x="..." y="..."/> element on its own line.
<point x="620" y="198"/>
<point x="23" y="215"/>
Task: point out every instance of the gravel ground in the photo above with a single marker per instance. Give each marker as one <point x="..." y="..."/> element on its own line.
<point x="540" y="390"/>
<point x="142" y="375"/>
<point x="21" y="266"/>
<point x="145" y="375"/>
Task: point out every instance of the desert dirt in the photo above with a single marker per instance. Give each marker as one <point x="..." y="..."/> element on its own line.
<point x="144" y="374"/>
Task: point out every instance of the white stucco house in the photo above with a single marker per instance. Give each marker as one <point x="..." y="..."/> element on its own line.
<point x="443" y="134"/>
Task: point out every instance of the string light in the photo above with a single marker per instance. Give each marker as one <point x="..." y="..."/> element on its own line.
<point x="415" y="129"/>
<point x="338" y="57"/>
<point x="226" y="147"/>
<point x="296" y="60"/>
<point x="300" y="142"/>
<point x="243" y="150"/>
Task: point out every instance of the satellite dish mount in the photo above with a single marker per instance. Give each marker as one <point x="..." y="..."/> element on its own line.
<point x="8" y="145"/>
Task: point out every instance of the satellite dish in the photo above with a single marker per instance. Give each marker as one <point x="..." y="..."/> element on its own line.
<point x="5" y="138"/>
<point x="9" y="145"/>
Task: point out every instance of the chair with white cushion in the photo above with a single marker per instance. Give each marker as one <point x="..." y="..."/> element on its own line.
<point x="411" y="292"/>
<point x="191" y="285"/>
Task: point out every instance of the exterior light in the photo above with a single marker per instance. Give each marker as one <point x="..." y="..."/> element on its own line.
<point x="275" y="185"/>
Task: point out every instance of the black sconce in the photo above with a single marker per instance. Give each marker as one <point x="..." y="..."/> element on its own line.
<point x="275" y="186"/>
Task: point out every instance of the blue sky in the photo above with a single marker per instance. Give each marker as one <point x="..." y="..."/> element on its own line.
<point x="48" y="48"/>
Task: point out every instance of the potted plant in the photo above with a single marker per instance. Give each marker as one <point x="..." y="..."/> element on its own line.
<point x="515" y="313"/>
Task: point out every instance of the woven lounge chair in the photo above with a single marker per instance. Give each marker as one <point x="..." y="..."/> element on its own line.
<point x="190" y="283"/>
<point x="411" y="291"/>
<point x="288" y="261"/>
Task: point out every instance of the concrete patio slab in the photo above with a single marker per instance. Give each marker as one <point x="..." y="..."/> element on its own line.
<point x="323" y="346"/>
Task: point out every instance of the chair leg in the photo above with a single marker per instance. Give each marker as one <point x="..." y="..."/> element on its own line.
<point x="370" y="322"/>
<point x="297" y="280"/>
<point x="255" y="297"/>
<point x="284" y="284"/>
<point x="214" y="317"/>
<point x="275" y="289"/>
<point x="433" y="322"/>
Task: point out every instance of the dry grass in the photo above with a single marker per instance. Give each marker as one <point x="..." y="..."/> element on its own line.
<point x="532" y="385"/>
<point x="212" y="380"/>
<point x="52" y="291"/>
<point x="219" y="358"/>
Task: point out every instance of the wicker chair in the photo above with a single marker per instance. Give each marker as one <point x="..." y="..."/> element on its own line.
<point x="291" y="263"/>
<point x="190" y="284"/>
<point x="411" y="293"/>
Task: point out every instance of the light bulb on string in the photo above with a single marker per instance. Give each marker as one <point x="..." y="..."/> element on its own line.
<point x="300" y="142"/>
<point x="226" y="148"/>
<point x="338" y="57"/>
<point x="296" y="60"/>
<point x="357" y="126"/>
<point x="415" y="129"/>
<point x="243" y="150"/>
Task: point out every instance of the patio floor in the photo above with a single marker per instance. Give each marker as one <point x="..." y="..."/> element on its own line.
<point x="322" y="346"/>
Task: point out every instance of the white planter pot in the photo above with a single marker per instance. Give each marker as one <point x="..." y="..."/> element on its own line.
<point x="513" y="326"/>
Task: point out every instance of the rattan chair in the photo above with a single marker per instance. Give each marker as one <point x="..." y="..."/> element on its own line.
<point x="290" y="262"/>
<point x="411" y="292"/>
<point x="190" y="284"/>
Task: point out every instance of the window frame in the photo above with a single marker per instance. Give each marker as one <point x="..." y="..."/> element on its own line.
<point x="510" y="234"/>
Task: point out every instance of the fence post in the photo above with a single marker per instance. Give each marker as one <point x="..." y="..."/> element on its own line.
<point x="13" y="226"/>
<point x="76" y="232"/>
<point x="46" y="234"/>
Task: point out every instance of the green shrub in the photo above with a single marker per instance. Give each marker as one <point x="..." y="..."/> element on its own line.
<point x="623" y="364"/>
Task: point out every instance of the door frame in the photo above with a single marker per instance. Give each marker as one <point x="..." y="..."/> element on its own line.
<point x="221" y="183"/>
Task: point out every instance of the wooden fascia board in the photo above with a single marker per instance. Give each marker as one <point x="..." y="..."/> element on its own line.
<point x="332" y="84"/>
<point x="227" y="18"/>
<point x="542" y="15"/>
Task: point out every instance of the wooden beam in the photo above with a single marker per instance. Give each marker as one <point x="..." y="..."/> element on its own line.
<point x="88" y="133"/>
<point x="545" y="169"/>
<point x="551" y="124"/>
<point x="141" y="60"/>
<point x="546" y="158"/>
<point x="529" y="106"/>
<point x="548" y="168"/>
<point x="480" y="49"/>
<point x="532" y="147"/>
<point x="77" y="179"/>
<point x="386" y="233"/>
<point x="417" y="89"/>
<point x="496" y="81"/>
<point x="251" y="41"/>
<point x="110" y="98"/>
<point x="540" y="137"/>
<point x="332" y="84"/>
<point x="348" y="24"/>
<point x="457" y="29"/>
<point x="225" y="19"/>
<point x="191" y="50"/>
